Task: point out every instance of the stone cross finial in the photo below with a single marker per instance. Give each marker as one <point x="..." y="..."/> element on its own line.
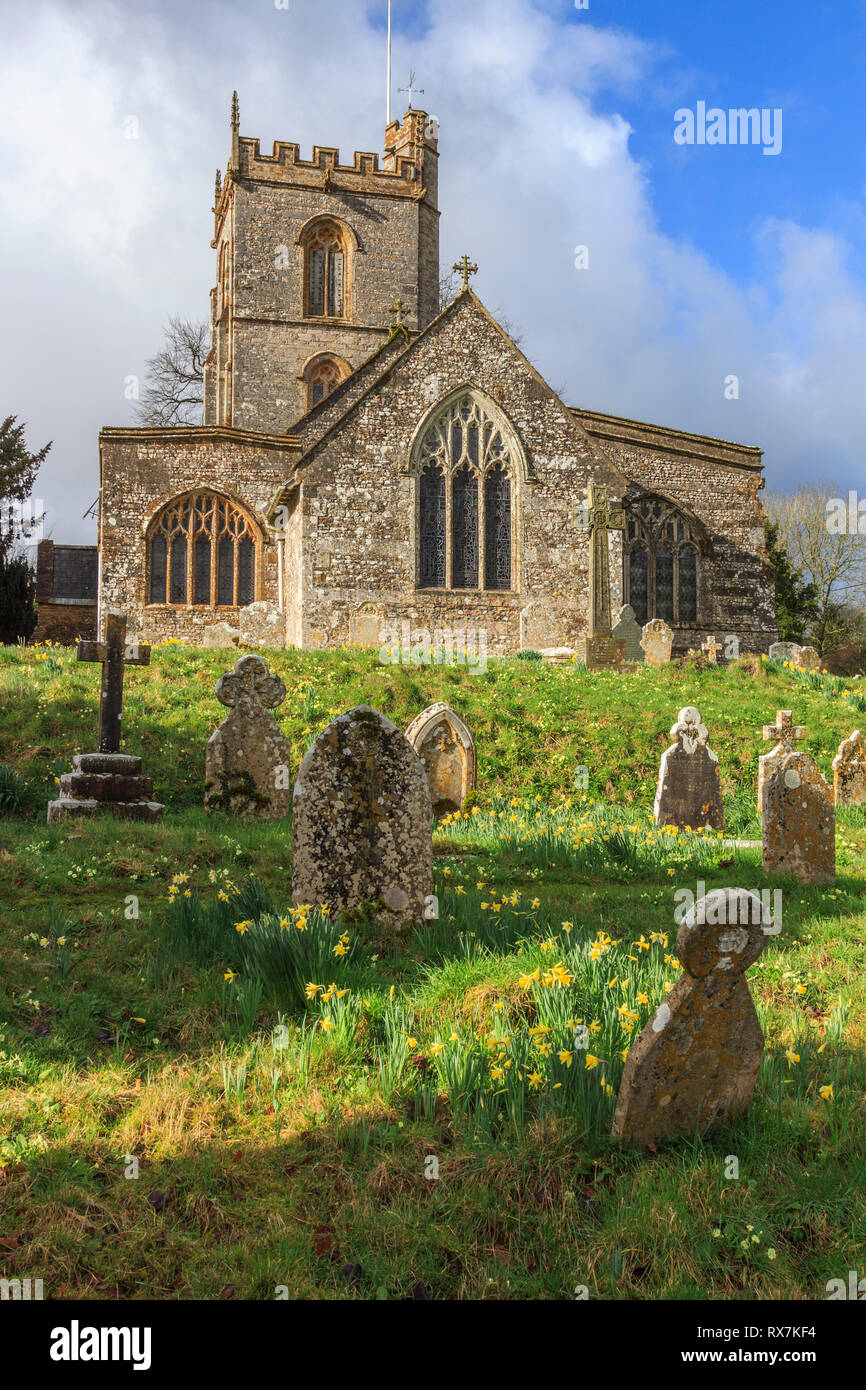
<point x="113" y="653"/>
<point x="784" y="729"/>
<point x="399" y="309"/>
<point x="250" y="683"/>
<point x="712" y="648"/>
<point x="465" y="268"/>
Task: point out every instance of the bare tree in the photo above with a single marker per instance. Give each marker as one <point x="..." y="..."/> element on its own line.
<point x="173" y="389"/>
<point x="833" y="557"/>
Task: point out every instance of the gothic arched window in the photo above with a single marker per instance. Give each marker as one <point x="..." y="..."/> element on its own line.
<point x="661" y="563"/>
<point x="325" y="279"/>
<point x="465" y="500"/>
<point x="322" y="376"/>
<point x="202" y="553"/>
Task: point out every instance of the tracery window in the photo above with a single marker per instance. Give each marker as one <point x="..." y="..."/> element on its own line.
<point x="325" y="255"/>
<point x="323" y="376"/>
<point x="661" y="563"/>
<point x="202" y="552"/>
<point x="465" y="500"/>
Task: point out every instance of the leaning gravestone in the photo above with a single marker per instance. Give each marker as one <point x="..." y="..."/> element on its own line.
<point x="787" y="733"/>
<point x="447" y="749"/>
<point x="627" y="629"/>
<point x="799" y="821"/>
<point x="785" y="651"/>
<point x="362" y="820"/>
<point x="689" y="789"/>
<point x="108" y="781"/>
<point x="657" y="641"/>
<point x="849" y="771"/>
<point x="809" y="659"/>
<point x="695" y="1063"/>
<point x="247" y="758"/>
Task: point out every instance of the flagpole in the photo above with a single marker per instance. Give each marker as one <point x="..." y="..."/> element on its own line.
<point x="388" y="103"/>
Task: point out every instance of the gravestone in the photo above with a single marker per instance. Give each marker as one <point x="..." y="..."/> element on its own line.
<point x="799" y="821"/>
<point x="362" y="820"/>
<point x="787" y="733"/>
<point x="809" y="659"/>
<point x="785" y="651"/>
<point x="689" y="789"/>
<point x="247" y="758"/>
<point x="849" y="771"/>
<point x="108" y="781"/>
<point x="711" y="648"/>
<point x="447" y="749"/>
<point x="627" y="629"/>
<point x="657" y="641"/>
<point x="695" y="1063"/>
<point x="600" y="650"/>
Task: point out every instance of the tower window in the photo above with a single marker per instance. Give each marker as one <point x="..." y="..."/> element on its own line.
<point x="325" y="272"/>
<point x="322" y="376"/>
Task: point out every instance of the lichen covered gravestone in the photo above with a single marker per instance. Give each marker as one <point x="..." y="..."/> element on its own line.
<point x="247" y="758"/>
<point x="657" y="641"/>
<point x="799" y="821"/>
<point x="787" y="733"/>
<point x="362" y="820"/>
<point x="696" y="1061"/>
<point x="849" y="771"/>
<point x="785" y="651"/>
<point x="627" y="629"/>
<point x="809" y="659"/>
<point x="447" y="749"/>
<point x="689" y="789"/>
<point x="711" y="648"/>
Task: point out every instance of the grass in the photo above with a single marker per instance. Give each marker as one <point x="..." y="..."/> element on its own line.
<point x="192" y="1110"/>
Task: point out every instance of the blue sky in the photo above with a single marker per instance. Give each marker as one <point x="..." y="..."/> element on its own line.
<point x="556" y="130"/>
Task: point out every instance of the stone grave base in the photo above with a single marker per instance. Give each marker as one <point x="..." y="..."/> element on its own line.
<point x="603" y="653"/>
<point x="105" y="782"/>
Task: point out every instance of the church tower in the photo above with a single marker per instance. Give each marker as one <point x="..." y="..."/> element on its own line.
<point x="312" y="257"/>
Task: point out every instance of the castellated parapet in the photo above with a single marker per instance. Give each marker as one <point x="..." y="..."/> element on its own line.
<point x="312" y="256"/>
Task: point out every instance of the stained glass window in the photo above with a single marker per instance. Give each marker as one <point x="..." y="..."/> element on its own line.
<point x="202" y="551"/>
<point x="326" y="260"/>
<point x="432" y="536"/>
<point x="464" y="510"/>
<point x="497" y="521"/>
<point x="471" y="461"/>
<point x="661" y="563"/>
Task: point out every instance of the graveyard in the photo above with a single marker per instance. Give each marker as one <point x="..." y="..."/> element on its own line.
<point x="215" y="1084"/>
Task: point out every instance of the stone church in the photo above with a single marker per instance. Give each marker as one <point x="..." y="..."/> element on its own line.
<point x="366" y="459"/>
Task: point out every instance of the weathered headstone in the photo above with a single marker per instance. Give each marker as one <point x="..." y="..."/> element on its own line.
<point x="362" y="820"/>
<point x="696" y="1062"/>
<point x="627" y="629"/>
<point x="447" y="749"/>
<point x="657" y="641"/>
<point x="247" y="758"/>
<point x="799" y="821"/>
<point x="689" y="789"/>
<point x="785" y="651"/>
<point x="787" y="733"/>
<point x="711" y="648"/>
<point x="809" y="659"/>
<point x="600" y="650"/>
<point x="108" y="780"/>
<point x="849" y="771"/>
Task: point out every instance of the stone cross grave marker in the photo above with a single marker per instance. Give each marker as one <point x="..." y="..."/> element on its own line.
<point x="600" y="649"/>
<point x="799" y="821"/>
<point x="108" y="780"/>
<point x="248" y="757"/>
<point x="696" y="1061"/>
<point x="786" y="732"/>
<point x="712" y="648"/>
<point x="447" y="749"/>
<point x="627" y="629"/>
<point x="689" y="789"/>
<point x="362" y="821"/>
<point x="114" y="653"/>
<point x="849" y="771"/>
<point x="657" y="642"/>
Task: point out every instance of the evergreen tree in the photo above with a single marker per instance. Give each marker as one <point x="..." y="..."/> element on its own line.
<point x="796" y="598"/>
<point x="18" y="470"/>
